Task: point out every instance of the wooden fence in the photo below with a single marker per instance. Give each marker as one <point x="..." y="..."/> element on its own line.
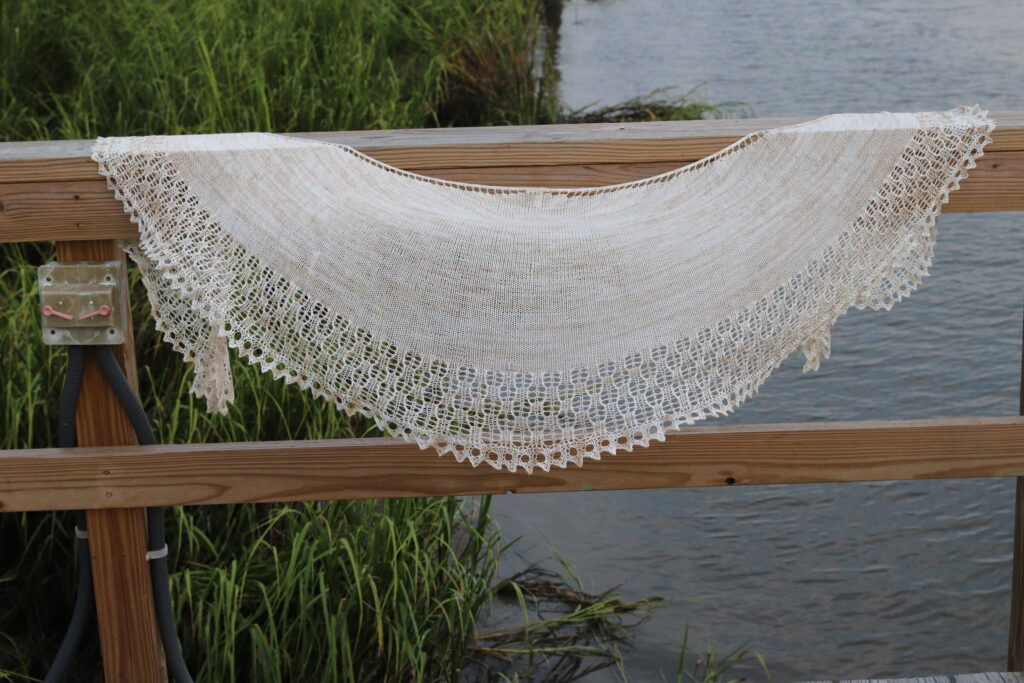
<point x="52" y="191"/>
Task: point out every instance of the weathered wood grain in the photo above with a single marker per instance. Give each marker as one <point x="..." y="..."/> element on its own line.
<point x="126" y="617"/>
<point x="77" y="210"/>
<point x="86" y="209"/>
<point x="997" y="184"/>
<point x="377" y="468"/>
<point x="484" y="147"/>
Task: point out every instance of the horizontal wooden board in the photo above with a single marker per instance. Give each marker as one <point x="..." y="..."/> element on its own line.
<point x="997" y="184"/>
<point x="485" y="147"/>
<point x="76" y="210"/>
<point x="86" y="209"/>
<point x="194" y="474"/>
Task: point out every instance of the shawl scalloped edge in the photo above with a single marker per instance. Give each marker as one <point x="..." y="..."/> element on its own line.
<point x="208" y="294"/>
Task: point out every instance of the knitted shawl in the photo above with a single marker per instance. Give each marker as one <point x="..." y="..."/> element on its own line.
<point x="529" y="327"/>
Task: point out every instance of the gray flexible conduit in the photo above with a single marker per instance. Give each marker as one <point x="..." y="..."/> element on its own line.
<point x="159" y="573"/>
<point x="158" y="568"/>
<point x="66" y="438"/>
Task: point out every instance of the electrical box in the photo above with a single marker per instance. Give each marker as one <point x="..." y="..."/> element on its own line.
<point x="82" y="303"/>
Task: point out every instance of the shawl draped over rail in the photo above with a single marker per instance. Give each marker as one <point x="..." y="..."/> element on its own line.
<point x="532" y="327"/>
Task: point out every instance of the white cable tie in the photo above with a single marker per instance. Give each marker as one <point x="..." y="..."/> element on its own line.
<point x="157" y="554"/>
<point x="81" y="533"/>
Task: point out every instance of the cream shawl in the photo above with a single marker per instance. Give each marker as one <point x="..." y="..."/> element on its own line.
<point x="532" y="327"/>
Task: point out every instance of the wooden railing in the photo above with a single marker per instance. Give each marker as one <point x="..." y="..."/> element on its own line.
<point x="51" y="191"/>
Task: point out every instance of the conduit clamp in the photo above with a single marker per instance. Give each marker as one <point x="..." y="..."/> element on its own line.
<point x="157" y="554"/>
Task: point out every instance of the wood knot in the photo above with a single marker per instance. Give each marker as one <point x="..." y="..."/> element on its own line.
<point x="730" y="480"/>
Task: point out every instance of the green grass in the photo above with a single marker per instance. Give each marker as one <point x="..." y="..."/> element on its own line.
<point x="84" y="68"/>
<point x="355" y="591"/>
<point x="336" y="591"/>
<point x="352" y="591"/>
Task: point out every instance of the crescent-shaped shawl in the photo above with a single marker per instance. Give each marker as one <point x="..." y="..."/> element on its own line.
<point x="532" y="327"/>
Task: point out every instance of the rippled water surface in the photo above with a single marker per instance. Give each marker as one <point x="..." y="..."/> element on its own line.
<point x="824" y="580"/>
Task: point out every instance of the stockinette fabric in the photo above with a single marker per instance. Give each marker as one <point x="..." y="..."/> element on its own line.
<point x="528" y="327"/>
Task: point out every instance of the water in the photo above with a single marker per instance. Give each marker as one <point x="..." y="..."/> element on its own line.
<point x="825" y="581"/>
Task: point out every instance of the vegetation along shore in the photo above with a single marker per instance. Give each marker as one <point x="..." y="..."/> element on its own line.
<point x="397" y="590"/>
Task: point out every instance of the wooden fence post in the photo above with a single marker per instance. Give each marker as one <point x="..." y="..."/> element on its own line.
<point x="1015" y="656"/>
<point x="117" y="538"/>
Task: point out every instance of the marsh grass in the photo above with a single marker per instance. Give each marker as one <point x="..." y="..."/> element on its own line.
<point x="710" y="666"/>
<point x="554" y="630"/>
<point x="338" y="591"/>
<point x="84" y="68"/>
<point x="662" y="104"/>
<point x="349" y="591"/>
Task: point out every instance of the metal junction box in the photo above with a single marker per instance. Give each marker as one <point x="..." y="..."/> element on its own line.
<point x="82" y="302"/>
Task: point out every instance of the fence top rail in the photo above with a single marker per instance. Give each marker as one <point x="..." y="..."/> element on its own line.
<point x="53" y="191"/>
<point x="487" y="147"/>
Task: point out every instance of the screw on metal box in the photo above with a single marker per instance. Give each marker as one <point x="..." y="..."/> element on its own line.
<point x="82" y="302"/>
